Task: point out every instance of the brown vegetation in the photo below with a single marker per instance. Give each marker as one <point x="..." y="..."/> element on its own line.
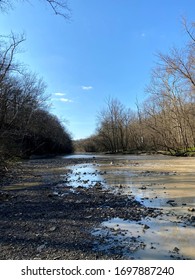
<point x="165" y="120"/>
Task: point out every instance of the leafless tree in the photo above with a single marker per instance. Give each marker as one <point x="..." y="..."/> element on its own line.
<point x="116" y="130"/>
<point x="59" y="7"/>
<point x="181" y="62"/>
<point x="25" y="122"/>
<point x="9" y="46"/>
<point x="169" y="107"/>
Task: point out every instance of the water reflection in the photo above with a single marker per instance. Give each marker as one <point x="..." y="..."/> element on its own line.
<point x="85" y="175"/>
<point x="161" y="182"/>
<point x="147" y="239"/>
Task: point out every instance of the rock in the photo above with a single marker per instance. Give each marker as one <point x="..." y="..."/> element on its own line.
<point x="176" y="250"/>
<point x="98" y="185"/>
<point x="170" y="201"/>
<point x="192" y="219"/>
<point x="53" y="228"/>
<point x="40" y="248"/>
<point x="173" y="204"/>
<point x="88" y="217"/>
<point x="146" y="227"/>
<point x="85" y="181"/>
<point x="191" y="209"/>
<point x="4" y="196"/>
<point x="50" y="195"/>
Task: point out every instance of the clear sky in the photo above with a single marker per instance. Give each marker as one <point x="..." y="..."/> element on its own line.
<point x="106" y="50"/>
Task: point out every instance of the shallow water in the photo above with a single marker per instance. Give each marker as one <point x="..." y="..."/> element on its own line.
<point x="163" y="239"/>
<point x="85" y="175"/>
<point x="156" y="181"/>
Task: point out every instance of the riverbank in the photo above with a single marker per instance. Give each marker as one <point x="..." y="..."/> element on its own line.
<point x="44" y="217"/>
<point x="38" y="223"/>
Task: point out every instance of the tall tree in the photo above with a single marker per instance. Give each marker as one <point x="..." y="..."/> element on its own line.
<point x="170" y="106"/>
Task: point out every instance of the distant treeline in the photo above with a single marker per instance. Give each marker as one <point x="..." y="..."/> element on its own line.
<point x="164" y="121"/>
<point x="26" y="125"/>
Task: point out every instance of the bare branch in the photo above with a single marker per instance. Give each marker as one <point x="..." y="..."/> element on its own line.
<point x="7" y="54"/>
<point x="189" y="29"/>
<point x="59" y="7"/>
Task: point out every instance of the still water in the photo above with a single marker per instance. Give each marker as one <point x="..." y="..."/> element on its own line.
<point x="159" y="181"/>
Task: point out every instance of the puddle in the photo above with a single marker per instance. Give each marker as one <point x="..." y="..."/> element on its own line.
<point x="147" y="239"/>
<point x="170" y="192"/>
<point x="85" y="176"/>
<point x="167" y="183"/>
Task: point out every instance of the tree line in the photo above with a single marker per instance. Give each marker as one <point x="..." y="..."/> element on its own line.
<point x="165" y="120"/>
<point x="26" y="125"/>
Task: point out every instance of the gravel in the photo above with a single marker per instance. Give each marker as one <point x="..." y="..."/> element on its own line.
<point x="43" y="218"/>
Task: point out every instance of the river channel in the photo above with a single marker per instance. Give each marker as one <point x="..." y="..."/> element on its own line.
<point x="163" y="182"/>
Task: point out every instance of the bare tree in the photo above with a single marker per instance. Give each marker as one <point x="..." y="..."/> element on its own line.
<point x="182" y="62"/>
<point x="9" y="46"/>
<point x="114" y="126"/>
<point x="25" y="123"/>
<point x="110" y="123"/>
<point x="169" y="108"/>
<point x="189" y="29"/>
<point x="59" y="7"/>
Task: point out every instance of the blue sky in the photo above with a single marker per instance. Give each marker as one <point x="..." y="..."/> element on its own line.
<point x="106" y="50"/>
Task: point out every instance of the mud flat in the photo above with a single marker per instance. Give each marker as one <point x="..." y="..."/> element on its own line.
<point x="99" y="207"/>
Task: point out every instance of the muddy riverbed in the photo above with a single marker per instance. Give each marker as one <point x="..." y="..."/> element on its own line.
<point x="99" y="207"/>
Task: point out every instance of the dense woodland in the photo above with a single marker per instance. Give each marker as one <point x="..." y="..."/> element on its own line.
<point x="165" y="121"/>
<point x="26" y="125"/>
